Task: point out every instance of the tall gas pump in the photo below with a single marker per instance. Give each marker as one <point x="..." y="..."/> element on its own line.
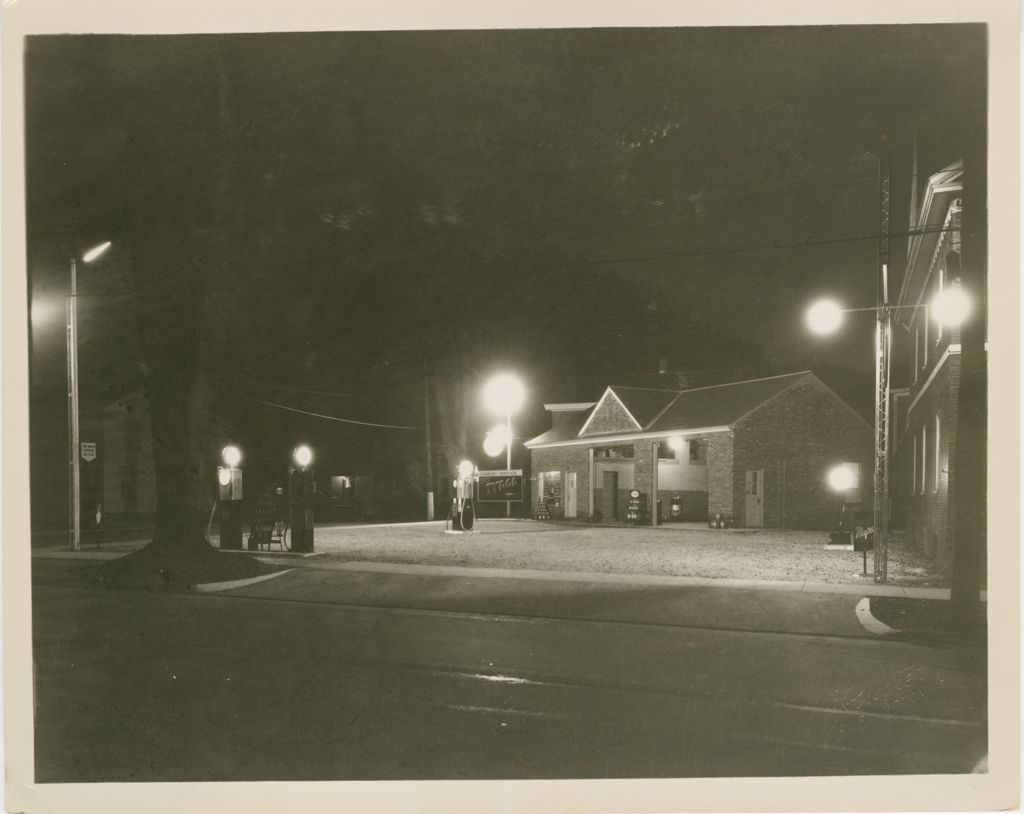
<point x="229" y="498"/>
<point x="300" y="500"/>
<point x="463" y="511"/>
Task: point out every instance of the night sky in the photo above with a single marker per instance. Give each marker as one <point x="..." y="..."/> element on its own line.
<point x="353" y="209"/>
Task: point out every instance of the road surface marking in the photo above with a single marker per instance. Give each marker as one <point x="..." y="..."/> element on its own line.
<point x="870" y="622"/>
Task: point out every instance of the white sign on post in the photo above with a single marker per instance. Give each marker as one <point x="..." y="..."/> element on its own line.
<point x="88" y="451"/>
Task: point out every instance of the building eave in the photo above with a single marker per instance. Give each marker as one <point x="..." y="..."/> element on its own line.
<point x="615" y="438"/>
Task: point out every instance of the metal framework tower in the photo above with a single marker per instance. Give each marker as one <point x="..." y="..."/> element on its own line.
<point x="883" y="351"/>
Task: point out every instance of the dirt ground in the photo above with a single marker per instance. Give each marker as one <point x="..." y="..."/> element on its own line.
<point x="763" y="554"/>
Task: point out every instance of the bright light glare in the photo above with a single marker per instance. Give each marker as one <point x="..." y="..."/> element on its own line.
<point x="676" y="443"/>
<point x="824" y="316"/>
<point x="952" y="307"/>
<point x="231" y="455"/>
<point x="466" y="469"/>
<point x="494" y="441"/>
<point x="95" y="252"/>
<point x="46" y="311"/>
<point x="303" y="455"/>
<point x="504" y="394"/>
<point x="223" y="475"/>
<point x="841" y="479"/>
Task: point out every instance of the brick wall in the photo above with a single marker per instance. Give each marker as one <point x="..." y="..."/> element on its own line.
<point x="720" y="474"/>
<point x="609" y="416"/>
<point x="565" y="459"/>
<point x="645" y="462"/>
<point x="929" y="515"/>
<point x="795" y="439"/>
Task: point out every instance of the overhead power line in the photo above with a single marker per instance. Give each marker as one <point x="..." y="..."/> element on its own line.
<point x="321" y="415"/>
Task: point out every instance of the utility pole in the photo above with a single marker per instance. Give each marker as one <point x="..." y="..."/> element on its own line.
<point x="883" y="353"/>
<point x="426" y="432"/>
<point x="74" y="468"/>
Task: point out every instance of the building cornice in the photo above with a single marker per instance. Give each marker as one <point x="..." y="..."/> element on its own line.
<point x="599" y="440"/>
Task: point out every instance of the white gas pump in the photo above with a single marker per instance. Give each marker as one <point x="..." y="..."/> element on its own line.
<point x="463" y="511"/>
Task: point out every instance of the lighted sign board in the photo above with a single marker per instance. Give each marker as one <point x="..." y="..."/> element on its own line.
<point x="500" y="486"/>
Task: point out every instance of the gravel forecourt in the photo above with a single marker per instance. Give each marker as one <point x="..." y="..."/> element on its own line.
<point x="673" y="550"/>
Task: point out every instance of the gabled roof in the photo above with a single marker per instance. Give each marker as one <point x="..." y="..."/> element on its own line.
<point x="658" y="412"/>
<point x="644" y="404"/>
<point x="722" y="404"/>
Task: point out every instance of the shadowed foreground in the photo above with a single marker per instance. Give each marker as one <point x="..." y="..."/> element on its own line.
<point x="281" y="682"/>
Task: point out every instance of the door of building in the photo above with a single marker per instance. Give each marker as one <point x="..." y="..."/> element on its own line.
<point x="755" y="499"/>
<point x="609" y="494"/>
<point x="570" y="494"/>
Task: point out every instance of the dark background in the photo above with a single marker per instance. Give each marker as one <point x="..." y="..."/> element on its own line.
<point x="326" y="221"/>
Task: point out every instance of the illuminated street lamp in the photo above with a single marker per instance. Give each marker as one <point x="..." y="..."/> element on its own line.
<point x="951" y="307"/>
<point x="496" y="441"/>
<point x="503" y="395"/>
<point x="303" y="456"/>
<point x="824" y="317"/>
<point x="74" y="486"/>
<point x="841" y="478"/>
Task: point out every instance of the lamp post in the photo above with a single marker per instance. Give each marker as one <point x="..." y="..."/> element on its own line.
<point x="74" y="473"/>
<point x="950" y="308"/>
<point x="504" y="395"/>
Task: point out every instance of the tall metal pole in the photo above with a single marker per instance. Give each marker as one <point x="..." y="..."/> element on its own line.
<point x="883" y="351"/>
<point x="508" y="456"/>
<point x="429" y="450"/>
<point x="74" y="479"/>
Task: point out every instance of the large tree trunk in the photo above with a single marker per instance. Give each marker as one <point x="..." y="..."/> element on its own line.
<point x="169" y="331"/>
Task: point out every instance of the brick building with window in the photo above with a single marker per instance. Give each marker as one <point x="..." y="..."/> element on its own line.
<point x="757" y="451"/>
<point x="925" y="409"/>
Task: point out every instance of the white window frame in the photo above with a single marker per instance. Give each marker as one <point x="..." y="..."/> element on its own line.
<point x="938" y="294"/>
<point x="913" y="475"/>
<point x="917" y="355"/>
<point x="924" y="457"/>
<point x="924" y="345"/>
<point x="938" y="435"/>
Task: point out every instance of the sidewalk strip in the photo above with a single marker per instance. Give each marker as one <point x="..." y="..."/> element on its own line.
<point x="870" y="622"/>
<point x="415" y="569"/>
<point x="212" y="587"/>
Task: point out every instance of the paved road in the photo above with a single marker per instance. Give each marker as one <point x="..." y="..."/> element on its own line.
<point x="327" y="674"/>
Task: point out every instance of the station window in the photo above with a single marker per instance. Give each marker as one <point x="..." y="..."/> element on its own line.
<point x="698" y="453"/>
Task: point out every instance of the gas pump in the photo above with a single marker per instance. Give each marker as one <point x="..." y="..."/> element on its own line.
<point x="463" y="511"/>
<point x="229" y="498"/>
<point x="300" y="501"/>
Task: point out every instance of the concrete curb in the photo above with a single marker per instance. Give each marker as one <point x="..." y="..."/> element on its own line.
<point x="213" y="587"/>
<point x="870" y="589"/>
<point x="870" y="623"/>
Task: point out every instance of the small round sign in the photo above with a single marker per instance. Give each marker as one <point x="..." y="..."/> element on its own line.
<point x="634" y="493"/>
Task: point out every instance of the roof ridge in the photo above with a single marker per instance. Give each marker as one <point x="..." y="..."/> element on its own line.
<point x="650" y="389"/>
<point x="748" y="381"/>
